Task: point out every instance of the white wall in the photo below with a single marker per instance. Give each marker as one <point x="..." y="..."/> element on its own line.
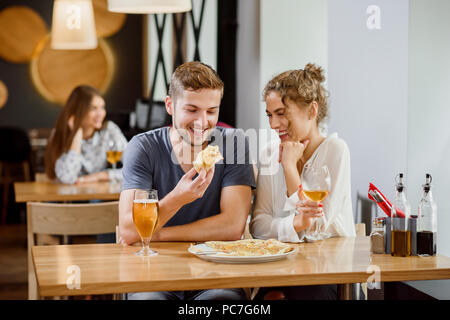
<point x="274" y="36"/>
<point x="292" y="33"/>
<point x="208" y="34"/>
<point x="248" y="65"/>
<point x="368" y="84"/>
<point x="428" y="117"/>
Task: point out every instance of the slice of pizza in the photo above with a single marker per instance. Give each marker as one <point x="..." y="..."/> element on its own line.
<point x="207" y="158"/>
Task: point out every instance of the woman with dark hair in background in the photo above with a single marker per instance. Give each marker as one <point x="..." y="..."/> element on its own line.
<point x="77" y="148"/>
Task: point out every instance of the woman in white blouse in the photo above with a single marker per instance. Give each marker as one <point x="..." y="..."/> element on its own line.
<point x="76" y="151"/>
<point x="296" y="103"/>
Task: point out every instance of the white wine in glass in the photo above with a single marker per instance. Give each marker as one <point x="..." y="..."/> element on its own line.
<point x="145" y="217"/>
<point x="316" y="185"/>
<point x="113" y="154"/>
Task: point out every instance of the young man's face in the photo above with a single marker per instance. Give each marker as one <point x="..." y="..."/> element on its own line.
<point x="195" y="114"/>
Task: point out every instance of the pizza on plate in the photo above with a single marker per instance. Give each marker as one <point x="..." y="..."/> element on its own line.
<point x="250" y="247"/>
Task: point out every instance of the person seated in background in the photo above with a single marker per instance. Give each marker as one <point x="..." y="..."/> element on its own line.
<point x="296" y="103"/>
<point x="193" y="205"/>
<point x="77" y="147"/>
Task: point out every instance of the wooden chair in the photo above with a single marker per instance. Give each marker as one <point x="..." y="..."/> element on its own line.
<point x="361" y="231"/>
<point x="14" y="157"/>
<point x="68" y="220"/>
<point x="41" y="177"/>
<point x="366" y="210"/>
<point x="7" y="178"/>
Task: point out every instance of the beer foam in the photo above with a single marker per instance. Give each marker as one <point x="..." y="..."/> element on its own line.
<point x="145" y="201"/>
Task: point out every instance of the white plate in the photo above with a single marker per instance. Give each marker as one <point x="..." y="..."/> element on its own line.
<point x="223" y="258"/>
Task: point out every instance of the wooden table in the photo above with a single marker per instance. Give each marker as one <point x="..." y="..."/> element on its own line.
<point x="113" y="268"/>
<point x="50" y="191"/>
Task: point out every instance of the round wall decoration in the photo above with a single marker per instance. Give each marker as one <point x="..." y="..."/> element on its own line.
<point x="56" y="73"/>
<point x="107" y="23"/>
<point x="3" y="94"/>
<point x="21" y="29"/>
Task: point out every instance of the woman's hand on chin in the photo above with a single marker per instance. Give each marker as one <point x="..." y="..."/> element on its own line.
<point x="291" y="152"/>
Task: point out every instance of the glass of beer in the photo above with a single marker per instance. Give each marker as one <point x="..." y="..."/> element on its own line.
<point x="113" y="153"/>
<point x="145" y="217"/>
<point x="316" y="183"/>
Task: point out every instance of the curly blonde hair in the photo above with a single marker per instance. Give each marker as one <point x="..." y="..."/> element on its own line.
<point x="301" y="87"/>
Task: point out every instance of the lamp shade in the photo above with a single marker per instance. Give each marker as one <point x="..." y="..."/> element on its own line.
<point x="73" y="25"/>
<point x="149" y="6"/>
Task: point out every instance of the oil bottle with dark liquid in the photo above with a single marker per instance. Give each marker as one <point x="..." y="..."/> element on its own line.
<point x="427" y="222"/>
<point x="400" y="236"/>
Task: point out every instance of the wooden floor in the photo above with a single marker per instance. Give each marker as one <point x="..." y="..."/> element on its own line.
<point x="13" y="262"/>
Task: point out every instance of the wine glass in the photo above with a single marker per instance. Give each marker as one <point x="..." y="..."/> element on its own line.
<point x="145" y="217"/>
<point x="316" y="185"/>
<point x="113" y="154"/>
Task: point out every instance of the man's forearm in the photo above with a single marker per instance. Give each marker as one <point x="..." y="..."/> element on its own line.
<point x="168" y="206"/>
<point x="212" y="228"/>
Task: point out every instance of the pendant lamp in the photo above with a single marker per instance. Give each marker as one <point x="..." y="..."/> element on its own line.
<point x="149" y="6"/>
<point x="73" y="25"/>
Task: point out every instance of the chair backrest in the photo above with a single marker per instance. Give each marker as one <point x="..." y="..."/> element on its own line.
<point x="15" y="144"/>
<point x="41" y="177"/>
<point x="366" y="210"/>
<point x="66" y="219"/>
<point x="360" y="229"/>
<point x="72" y="219"/>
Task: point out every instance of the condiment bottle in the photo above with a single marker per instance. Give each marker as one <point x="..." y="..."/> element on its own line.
<point x="377" y="236"/>
<point x="401" y="236"/>
<point x="427" y="221"/>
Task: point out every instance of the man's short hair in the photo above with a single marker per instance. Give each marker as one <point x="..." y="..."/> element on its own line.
<point x="194" y="76"/>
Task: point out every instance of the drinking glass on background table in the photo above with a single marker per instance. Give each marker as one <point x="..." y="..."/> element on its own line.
<point x="113" y="153"/>
<point x="316" y="185"/>
<point x="145" y="217"/>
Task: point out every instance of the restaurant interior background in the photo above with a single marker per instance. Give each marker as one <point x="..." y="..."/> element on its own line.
<point x="387" y="67"/>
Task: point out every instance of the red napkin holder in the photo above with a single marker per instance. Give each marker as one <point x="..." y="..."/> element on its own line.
<point x="384" y="204"/>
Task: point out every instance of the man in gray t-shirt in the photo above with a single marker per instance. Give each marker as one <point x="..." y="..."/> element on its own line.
<point x="148" y="164"/>
<point x="211" y="205"/>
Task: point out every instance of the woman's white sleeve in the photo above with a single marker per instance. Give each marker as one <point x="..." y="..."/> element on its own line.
<point x="337" y="207"/>
<point x="265" y="222"/>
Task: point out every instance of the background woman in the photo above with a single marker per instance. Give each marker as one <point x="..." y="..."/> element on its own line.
<point x="296" y="103"/>
<point x="77" y="148"/>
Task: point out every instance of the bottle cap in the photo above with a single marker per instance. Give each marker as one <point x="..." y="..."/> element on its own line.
<point x="427" y="185"/>
<point x="399" y="179"/>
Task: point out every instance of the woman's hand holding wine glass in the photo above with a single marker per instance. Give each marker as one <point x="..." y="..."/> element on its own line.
<point x="316" y="187"/>
<point x="307" y="212"/>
